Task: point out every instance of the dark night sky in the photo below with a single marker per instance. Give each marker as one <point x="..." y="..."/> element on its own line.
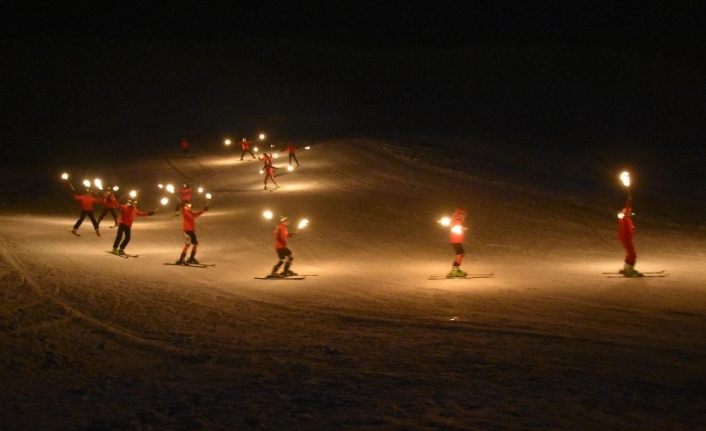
<point x="598" y="75"/>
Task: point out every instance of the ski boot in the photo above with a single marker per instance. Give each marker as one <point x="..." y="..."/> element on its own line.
<point x="288" y="273"/>
<point x="192" y="260"/>
<point x="629" y="271"/>
<point x="116" y="251"/>
<point x="98" y="232"/>
<point x="75" y="232"/>
<point x="456" y="272"/>
<point x="121" y="252"/>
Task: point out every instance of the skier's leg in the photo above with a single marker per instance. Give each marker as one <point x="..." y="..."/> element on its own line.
<point x="118" y="237"/>
<point x="80" y="220"/>
<point x="253" y="155"/>
<point x="281" y="253"/>
<point x="127" y="238"/>
<point x="288" y="264"/>
<point x="100" y="217"/>
<point x="195" y="245"/>
<point x="295" y="159"/>
<point x="290" y="158"/>
<point x="93" y="220"/>
<point x="242" y="154"/>
<point x="115" y="216"/>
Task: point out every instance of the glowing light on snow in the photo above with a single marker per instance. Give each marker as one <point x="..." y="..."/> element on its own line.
<point x="625" y="178"/>
<point x="98" y="183"/>
<point x="267" y="214"/>
<point x="133" y="194"/>
<point x="290" y="168"/>
<point x="64" y="176"/>
<point x="116" y="188"/>
<point x="208" y="196"/>
<point x="164" y="201"/>
<point x="87" y="183"/>
<point x="200" y="190"/>
<point x="445" y="221"/>
<point x="458" y="229"/>
<point x="307" y="147"/>
<point x="169" y="188"/>
<point x="303" y="223"/>
<point x="262" y="136"/>
<point x="227" y="142"/>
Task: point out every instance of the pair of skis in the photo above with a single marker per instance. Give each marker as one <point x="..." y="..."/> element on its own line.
<point x="643" y="274"/>
<point x="465" y="277"/>
<point x="124" y="256"/>
<point x="192" y="265"/>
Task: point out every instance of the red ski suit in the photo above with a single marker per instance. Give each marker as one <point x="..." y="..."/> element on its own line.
<point x="626" y="229"/>
<point x="128" y="213"/>
<point x="281" y="235"/>
<point x="457" y="220"/>
<point x="244" y="144"/>
<point x="291" y="148"/>
<point x="87" y="200"/>
<point x="188" y="216"/>
<point x="110" y="201"/>
<point x="185" y="194"/>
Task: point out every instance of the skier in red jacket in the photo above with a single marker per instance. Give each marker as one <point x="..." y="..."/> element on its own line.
<point x="245" y="145"/>
<point x="185" y="147"/>
<point x="269" y="169"/>
<point x="626" y="229"/>
<point x="291" y="149"/>
<point x="284" y="254"/>
<point x="86" y="201"/>
<point x="458" y="228"/>
<point x="127" y="216"/>
<point x="189" y="227"/>
<point x="110" y="203"/>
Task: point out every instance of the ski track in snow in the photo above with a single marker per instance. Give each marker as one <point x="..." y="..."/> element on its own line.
<point x="369" y="343"/>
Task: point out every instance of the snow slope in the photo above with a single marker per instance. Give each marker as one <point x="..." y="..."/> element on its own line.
<point x="92" y="341"/>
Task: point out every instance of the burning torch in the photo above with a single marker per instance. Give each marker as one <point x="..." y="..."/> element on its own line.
<point x="303" y="223"/>
<point x="626" y="180"/>
<point x="65" y="177"/>
<point x="227" y="142"/>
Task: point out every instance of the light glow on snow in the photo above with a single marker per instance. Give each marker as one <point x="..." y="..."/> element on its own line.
<point x="290" y="168"/>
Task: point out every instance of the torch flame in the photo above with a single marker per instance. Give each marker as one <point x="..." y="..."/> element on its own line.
<point x="267" y="214"/>
<point x="262" y="136"/>
<point x="161" y="186"/>
<point x="458" y="229"/>
<point x="65" y="176"/>
<point x="164" y="201"/>
<point x="303" y="223"/>
<point x="227" y="142"/>
<point x="200" y="189"/>
<point x="445" y="221"/>
<point x="255" y="149"/>
<point x="621" y="215"/>
<point x="169" y="188"/>
<point x="625" y="178"/>
<point x="261" y="172"/>
<point x="275" y="155"/>
<point x="307" y="147"/>
<point x="208" y="196"/>
<point x="98" y="183"/>
<point x="133" y="194"/>
<point x="116" y="188"/>
<point x="87" y="183"/>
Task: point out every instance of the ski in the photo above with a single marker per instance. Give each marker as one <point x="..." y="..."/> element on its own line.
<point x="291" y="277"/>
<point x="125" y="256"/>
<point x="639" y="276"/>
<point x="643" y="272"/>
<point x="467" y="277"/>
<point x="193" y="265"/>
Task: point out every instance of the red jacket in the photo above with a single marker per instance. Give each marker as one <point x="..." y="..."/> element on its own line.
<point x="291" y="148"/>
<point x="110" y="201"/>
<point x="281" y="235"/>
<point x="245" y="144"/>
<point x="87" y="200"/>
<point x="626" y="228"/>
<point x="184" y="144"/>
<point x="457" y="224"/>
<point x="188" y="216"/>
<point x="186" y="193"/>
<point x="128" y="213"/>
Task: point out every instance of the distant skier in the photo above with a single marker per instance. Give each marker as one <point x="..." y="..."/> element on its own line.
<point x="189" y="228"/>
<point x="291" y="149"/>
<point x="186" y="192"/>
<point x="282" y="234"/>
<point x="269" y="169"/>
<point x="86" y="201"/>
<point x="127" y="216"/>
<point x="110" y="204"/>
<point x="185" y="147"/>
<point x="626" y="229"/>
<point x="245" y="145"/>
<point x="458" y="228"/>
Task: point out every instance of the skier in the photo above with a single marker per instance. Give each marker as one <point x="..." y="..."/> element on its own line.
<point x="185" y="147"/>
<point x="127" y="216"/>
<point x="185" y="194"/>
<point x="269" y="169"/>
<point x="110" y="203"/>
<point x="283" y="253"/>
<point x="245" y="145"/>
<point x="458" y="228"/>
<point x="626" y="229"/>
<point x="291" y="149"/>
<point x="189" y="227"/>
<point x="86" y="201"/>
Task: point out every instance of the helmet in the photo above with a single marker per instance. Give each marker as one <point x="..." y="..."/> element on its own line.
<point x="284" y="219"/>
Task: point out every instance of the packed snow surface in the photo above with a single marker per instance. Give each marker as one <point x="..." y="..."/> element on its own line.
<point x="89" y="340"/>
